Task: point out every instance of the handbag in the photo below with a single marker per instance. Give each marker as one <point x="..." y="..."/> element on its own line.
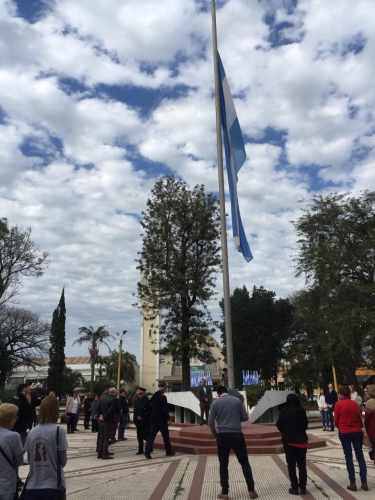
<point x="12" y="465"/>
<point x="365" y="439"/>
<point x="61" y="492"/>
<point x="65" y="419"/>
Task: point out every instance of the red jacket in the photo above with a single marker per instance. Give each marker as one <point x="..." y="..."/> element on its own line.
<point x="347" y="416"/>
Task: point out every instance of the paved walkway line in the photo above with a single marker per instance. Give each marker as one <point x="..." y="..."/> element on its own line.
<point x="344" y="494"/>
<point x="282" y="465"/>
<point x="198" y="479"/>
<point x="161" y="488"/>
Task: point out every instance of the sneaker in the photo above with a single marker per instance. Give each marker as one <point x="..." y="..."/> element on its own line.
<point x="352" y="487"/>
<point x="293" y="491"/>
<point x="139" y="453"/>
<point x="253" y="494"/>
<point x="303" y="491"/>
<point x="364" y="487"/>
<point x="107" y="457"/>
<point x="223" y="496"/>
<point x="99" y="456"/>
<point x="147" y="455"/>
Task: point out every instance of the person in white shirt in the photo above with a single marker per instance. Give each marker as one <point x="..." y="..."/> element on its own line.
<point x="72" y="408"/>
<point x="353" y="393"/>
<point x="322" y="405"/>
<point x="11" y="451"/>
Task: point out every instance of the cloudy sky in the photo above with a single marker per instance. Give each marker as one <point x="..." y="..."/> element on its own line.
<point x="98" y="99"/>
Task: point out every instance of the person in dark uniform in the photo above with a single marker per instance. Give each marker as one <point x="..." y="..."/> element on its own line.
<point x="159" y="419"/>
<point x="142" y="410"/>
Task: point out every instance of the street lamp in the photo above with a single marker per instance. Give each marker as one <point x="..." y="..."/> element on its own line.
<point x="119" y="362"/>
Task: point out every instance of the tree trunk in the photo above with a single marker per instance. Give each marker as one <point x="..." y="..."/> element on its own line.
<point x="351" y="377"/>
<point x="92" y="376"/>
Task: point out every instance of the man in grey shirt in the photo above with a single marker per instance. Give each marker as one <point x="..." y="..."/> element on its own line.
<point x="229" y="412"/>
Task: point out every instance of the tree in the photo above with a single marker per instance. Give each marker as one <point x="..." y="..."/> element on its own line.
<point x="94" y="338"/>
<point x="56" y="363"/>
<point x="6" y="365"/>
<point x="24" y="335"/>
<point x="128" y="365"/>
<point x="178" y="263"/>
<point x="336" y="254"/>
<point x="261" y="327"/>
<point x="19" y="258"/>
<point x="70" y="380"/>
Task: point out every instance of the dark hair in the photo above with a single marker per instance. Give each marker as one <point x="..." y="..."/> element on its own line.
<point x="74" y="392"/>
<point x="345" y="391"/>
<point x="293" y="400"/>
<point x="225" y="369"/>
<point x="21" y="387"/>
<point x="221" y="389"/>
<point x="106" y="387"/>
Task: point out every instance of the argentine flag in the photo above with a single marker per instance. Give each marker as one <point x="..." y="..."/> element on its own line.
<point x="235" y="157"/>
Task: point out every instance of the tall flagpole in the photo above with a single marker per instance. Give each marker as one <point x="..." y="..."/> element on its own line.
<point x="224" y="244"/>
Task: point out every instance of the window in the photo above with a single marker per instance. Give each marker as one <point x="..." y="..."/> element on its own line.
<point x="149" y="333"/>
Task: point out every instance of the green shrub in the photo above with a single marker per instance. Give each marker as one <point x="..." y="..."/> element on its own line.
<point x="254" y="393"/>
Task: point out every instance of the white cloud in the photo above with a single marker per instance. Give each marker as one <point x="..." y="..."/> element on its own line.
<point x="78" y="164"/>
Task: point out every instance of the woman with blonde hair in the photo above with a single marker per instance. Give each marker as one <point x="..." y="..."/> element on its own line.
<point x="370" y="417"/>
<point x="11" y="452"/>
<point x="46" y="447"/>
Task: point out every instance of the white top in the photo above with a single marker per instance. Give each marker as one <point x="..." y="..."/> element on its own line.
<point x="75" y="405"/>
<point x="354" y="396"/>
<point x="11" y="445"/>
<point x="41" y="448"/>
<point x="322" y="405"/>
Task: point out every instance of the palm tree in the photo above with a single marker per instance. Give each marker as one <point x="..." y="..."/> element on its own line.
<point x="128" y="364"/>
<point x="94" y="338"/>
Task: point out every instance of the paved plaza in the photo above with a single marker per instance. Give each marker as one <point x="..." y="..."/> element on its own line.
<point x="192" y="477"/>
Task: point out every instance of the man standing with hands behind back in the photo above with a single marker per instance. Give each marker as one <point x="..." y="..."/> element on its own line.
<point x="331" y="400"/>
<point x="205" y="399"/>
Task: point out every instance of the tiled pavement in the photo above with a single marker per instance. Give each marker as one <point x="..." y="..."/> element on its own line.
<point x="192" y="477"/>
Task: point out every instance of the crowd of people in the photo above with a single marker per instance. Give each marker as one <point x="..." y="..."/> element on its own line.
<point x="46" y="445"/>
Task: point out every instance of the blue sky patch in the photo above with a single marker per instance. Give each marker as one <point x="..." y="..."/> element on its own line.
<point x="33" y="10"/>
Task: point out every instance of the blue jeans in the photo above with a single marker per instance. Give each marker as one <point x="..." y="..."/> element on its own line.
<point x="122" y="425"/>
<point x="324" y="417"/>
<point x="75" y="423"/>
<point x="355" y="439"/>
<point x="330" y="418"/>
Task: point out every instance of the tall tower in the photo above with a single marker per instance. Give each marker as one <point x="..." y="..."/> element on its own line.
<point x="149" y="366"/>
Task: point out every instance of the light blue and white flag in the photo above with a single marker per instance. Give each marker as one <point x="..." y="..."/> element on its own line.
<point x="235" y="157"/>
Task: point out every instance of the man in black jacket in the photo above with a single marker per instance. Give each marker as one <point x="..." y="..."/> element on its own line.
<point x="331" y="400"/>
<point x="142" y="411"/>
<point x="205" y="399"/>
<point x="26" y="411"/>
<point x="159" y="421"/>
<point x="105" y="414"/>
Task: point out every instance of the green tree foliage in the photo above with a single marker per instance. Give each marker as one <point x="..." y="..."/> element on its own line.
<point x="19" y="258"/>
<point x="24" y="336"/>
<point x="178" y="262"/>
<point x="56" y="364"/>
<point x="70" y="380"/>
<point x="261" y="327"/>
<point x="336" y="255"/>
<point x="94" y="338"/>
<point x="128" y="366"/>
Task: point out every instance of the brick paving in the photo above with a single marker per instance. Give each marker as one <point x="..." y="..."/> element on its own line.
<point x="193" y="477"/>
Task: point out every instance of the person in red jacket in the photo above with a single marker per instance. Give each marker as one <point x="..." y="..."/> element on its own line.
<point x="348" y="420"/>
<point x="370" y="416"/>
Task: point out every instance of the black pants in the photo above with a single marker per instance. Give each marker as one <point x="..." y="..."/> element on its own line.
<point x="94" y="425"/>
<point x="142" y="435"/>
<point x="235" y="441"/>
<point x="70" y="426"/>
<point x="205" y="409"/>
<point x="155" y="428"/>
<point x="86" y="421"/>
<point x="296" y="457"/>
<point x="104" y="437"/>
